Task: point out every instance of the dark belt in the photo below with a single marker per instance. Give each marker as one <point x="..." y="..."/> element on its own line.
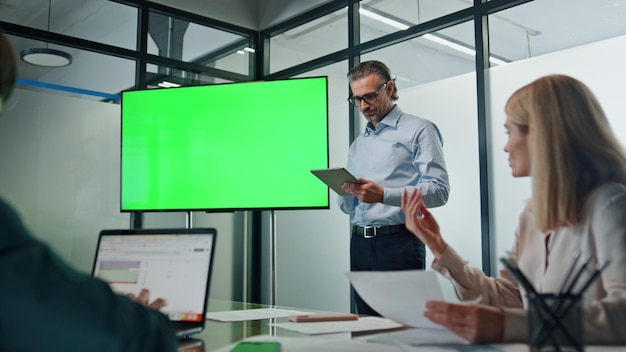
<point x="377" y="231"/>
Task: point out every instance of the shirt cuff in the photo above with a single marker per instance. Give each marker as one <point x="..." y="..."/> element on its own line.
<point x="392" y="196"/>
<point x="452" y="266"/>
<point x="515" y="325"/>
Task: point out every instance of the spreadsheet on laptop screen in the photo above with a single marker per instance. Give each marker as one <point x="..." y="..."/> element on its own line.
<point x="174" y="267"/>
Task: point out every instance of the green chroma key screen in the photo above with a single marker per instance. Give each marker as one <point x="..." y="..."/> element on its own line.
<point x="225" y="147"/>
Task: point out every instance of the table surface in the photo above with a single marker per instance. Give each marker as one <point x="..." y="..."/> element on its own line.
<point x="219" y="334"/>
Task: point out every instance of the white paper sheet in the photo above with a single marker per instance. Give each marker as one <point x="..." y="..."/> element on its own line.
<point x="362" y="324"/>
<point x="400" y="295"/>
<point x="252" y="314"/>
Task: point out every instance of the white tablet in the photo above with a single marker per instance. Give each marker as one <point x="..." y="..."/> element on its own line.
<point x="335" y="177"/>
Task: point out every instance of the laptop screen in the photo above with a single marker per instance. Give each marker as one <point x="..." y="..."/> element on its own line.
<point x="172" y="264"/>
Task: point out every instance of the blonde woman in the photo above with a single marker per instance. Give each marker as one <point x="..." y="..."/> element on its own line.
<point x="560" y="136"/>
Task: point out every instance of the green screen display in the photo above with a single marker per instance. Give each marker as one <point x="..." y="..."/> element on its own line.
<point x="225" y="147"/>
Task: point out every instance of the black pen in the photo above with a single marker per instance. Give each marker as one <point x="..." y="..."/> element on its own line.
<point x="577" y="276"/>
<point x="512" y="267"/>
<point x="568" y="291"/>
<point x="569" y="273"/>
<point x="594" y="276"/>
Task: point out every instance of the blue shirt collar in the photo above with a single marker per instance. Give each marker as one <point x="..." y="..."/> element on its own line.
<point x="390" y="120"/>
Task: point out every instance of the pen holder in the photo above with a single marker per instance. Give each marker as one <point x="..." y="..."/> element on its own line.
<point x="555" y="322"/>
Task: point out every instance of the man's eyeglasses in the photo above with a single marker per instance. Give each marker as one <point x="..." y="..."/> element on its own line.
<point x="369" y="98"/>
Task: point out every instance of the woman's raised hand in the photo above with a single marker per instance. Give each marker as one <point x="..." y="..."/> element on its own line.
<point x="422" y="223"/>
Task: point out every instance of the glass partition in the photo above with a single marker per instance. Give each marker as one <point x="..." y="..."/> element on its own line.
<point x="585" y="40"/>
<point x="303" y="235"/>
<point x="166" y="77"/>
<point x="314" y="39"/>
<point x="437" y="82"/>
<point x="379" y="18"/>
<point x="83" y="78"/>
<point x="430" y="57"/>
<point x="101" y="21"/>
<point x="544" y="26"/>
<point x="180" y="39"/>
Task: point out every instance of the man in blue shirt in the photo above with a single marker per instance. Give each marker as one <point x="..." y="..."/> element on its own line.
<point x="397" y="151"/>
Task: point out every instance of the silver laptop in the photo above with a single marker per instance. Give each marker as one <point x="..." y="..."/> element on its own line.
<point x="174" y="264"/>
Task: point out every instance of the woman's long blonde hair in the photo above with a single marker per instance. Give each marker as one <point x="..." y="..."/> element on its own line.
<point x="572" y="147"/>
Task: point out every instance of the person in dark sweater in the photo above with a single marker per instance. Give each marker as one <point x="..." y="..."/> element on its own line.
<point x="45" y="305"/>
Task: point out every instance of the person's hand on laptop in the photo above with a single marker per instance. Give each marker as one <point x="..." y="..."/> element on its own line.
<point x="144" y="298"/>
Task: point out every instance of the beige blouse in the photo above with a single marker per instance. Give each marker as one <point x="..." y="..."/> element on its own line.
<point x="601" y="234"/>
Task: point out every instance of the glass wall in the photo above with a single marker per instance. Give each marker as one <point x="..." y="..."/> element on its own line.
<point x="116" y="23"/>
<point x="545" y="26"/>
<point x="437" y="82"/>
<point x="83" y="78"/>
<point x="319" y="37"/>
<point x="166" y="77"/>
<point x="318" y="238"/>
<point x="379" y="18"/>
<point x="430" y="57"/>
<point x="101" y="38"/>
<point x="585" y="41"/>
<point x="181" y="39"/>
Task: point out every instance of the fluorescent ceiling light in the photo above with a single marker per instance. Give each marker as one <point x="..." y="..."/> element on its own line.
<point x="166" y="84"/>
<point x="433" y="38"/>
<point x="459" y="47"/>
<point x="245" y="50"/>
<point x="383" y="19"/>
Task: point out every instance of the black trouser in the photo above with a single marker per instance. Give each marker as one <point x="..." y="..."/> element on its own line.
<point x="397" y="251"/>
